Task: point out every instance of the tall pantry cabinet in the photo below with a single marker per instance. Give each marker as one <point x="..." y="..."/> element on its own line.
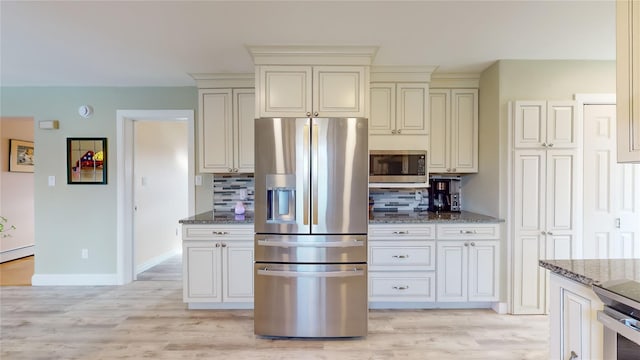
<point x="544" y="180"/>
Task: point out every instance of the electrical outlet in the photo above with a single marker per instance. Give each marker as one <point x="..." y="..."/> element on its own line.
<point x="243" y="194"/>
<point x="419" y="195"/>
<point x="85" y="253"/>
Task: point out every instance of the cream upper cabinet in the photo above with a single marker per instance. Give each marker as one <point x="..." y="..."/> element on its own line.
<point x="453" y="131"/>
<point x="300" y="91"/>
<point x="628" y="80"/>
<point x="545" y="124"/>
<point x="399" y="108"/>
<point x="225" y="129"/>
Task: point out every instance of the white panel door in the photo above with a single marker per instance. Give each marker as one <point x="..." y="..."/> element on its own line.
<point x="339" y="91"/>
<point x="452" y="279"/>
<point x="530" y="124"/>
<point x="483" y="270"/>
<point x="244" y="117"/>
<point x="237" y="262"/>
<point x="611" y="190"/>
<point x="411" y="108"/>
<point x="562" y="127"/>
<point x="382" y="114"/>
<point x="285" y="91"/>
<point x="215" y="128"/>
<point x="439" y="115"/>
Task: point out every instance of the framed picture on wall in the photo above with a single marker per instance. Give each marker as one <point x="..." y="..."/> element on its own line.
<point x="86" y="160"/>
<point x="21" y="156"/>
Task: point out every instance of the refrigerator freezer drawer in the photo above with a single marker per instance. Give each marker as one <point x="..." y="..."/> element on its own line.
<point x="310" y="300"/>
<point x="311" y="248"/>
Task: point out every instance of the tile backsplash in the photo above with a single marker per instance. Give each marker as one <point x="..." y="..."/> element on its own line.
<point x="229" y="188"/>
<point x="397" y="200"/>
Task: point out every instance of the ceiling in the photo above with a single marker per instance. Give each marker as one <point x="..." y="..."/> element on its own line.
<point x="159" y="43"/>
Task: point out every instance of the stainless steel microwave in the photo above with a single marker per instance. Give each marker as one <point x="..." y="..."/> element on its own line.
<point x="398" y="166"/>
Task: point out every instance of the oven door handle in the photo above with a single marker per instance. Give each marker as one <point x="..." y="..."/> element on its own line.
<point x="331" y="244"/>
<point x="316" y="274"/>
<point x="620" y="323"/>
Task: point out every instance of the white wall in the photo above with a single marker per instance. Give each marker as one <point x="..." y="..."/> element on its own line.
<point x="16" y="192"/>
<point x="160" y="189"/>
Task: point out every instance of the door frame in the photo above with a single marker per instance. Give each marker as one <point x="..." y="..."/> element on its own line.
<point x="124" y="160"/>
<point x="581" y="101"/>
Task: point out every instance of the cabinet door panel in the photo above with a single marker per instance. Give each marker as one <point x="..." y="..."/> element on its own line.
<point x="238" y="267"/>
<point x="530" y="125"/>
<point x="464" y="130"/>
<point x="216" y="131"/>
<point x="529" y="280"/>
<point x="529" y="190"/>
<point x="202" y="271"/>
<point x="285" y="91"/>
<point x="411" y="107"/>
<point x="339" y="91"/>
<point x="576" y="316"/>
<point x="559" y="246"/>
<point x="244" y="114"/>
<point x="452" y="271"/>
<point x="561" y="194"/>
<point x="562" y="129"/>
<point x="439" y="121"/>
<point x="483" y="271"/>
<point x="382" y="117"/>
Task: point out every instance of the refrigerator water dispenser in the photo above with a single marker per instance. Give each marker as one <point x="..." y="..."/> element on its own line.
<point x="281" y="198"/>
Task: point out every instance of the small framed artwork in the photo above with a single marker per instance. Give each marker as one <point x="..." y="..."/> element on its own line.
<point x="86" y="160"/>
<point x="20" y="156"/>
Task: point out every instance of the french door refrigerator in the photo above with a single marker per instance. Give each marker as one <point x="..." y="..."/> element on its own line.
<point x="311" y="218"/>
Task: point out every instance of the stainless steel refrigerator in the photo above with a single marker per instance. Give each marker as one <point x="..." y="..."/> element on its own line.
<point x="311" y="217"/>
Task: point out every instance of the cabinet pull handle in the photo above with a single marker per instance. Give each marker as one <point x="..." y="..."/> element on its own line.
<point x="401" y="287"/>
<point x="573" y="355"/>
<point x="401" y="232"/>
<point x="400" y="256"/>
<point x="220" y="233"/>
<point x="467" y="231"/>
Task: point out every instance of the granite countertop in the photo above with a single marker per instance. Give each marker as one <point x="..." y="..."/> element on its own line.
<point x="594" y="271"/>
<point x="219" y="218"/>
<point x="383" y="217"/>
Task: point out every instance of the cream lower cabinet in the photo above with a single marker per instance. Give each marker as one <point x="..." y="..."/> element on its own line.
<point x="217" y="266"/>
<point x="453" y="131"/>
<point x="401" y="265"/>
<point x="319" y="91"/>
<point x="575" y="331"/>
<point x="468" y="257"/>
<point x="225" y="130"/>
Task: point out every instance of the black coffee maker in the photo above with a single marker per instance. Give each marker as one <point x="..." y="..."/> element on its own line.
<point x="444" y="194"/>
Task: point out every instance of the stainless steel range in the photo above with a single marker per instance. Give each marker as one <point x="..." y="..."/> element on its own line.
<point x="620" y="318"/>
<point x="311" y="218"/>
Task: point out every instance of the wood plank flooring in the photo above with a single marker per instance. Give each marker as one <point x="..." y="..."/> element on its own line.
<point x="147" y="319"/>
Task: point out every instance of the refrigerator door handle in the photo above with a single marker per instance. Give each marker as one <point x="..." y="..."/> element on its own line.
<point x="332" y="244"/>
<point x="305" y="144"/>
<point x="314" y="186"/>
<point x="316" y="274"/>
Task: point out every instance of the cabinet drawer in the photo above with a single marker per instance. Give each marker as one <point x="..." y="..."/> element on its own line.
<point x="391" y="232"/>
<point x="401" y="286"/>
<point x="206" y="232"/>
<point x="402" y="255"/>
<point x="469" y="231"/>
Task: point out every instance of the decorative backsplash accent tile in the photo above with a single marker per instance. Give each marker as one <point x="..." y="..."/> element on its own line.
<point x="397" y="200"/>
<point x="228" y="189"/>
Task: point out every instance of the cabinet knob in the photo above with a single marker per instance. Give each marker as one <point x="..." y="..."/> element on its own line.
<point x="550" y="145"/>
<point x="393" y="132"/>
<point x="308" y="114"/>
<point x="235" y="170"/>
<point x="315" y="113"/>
<point x="453" y="170"/>
<point x="217" y="244"/>
<point x="224" y="245"/>
<point x="473" y="244"/>
<point x="466" y="244"/>
<point x="549" y="233"/>
<point x="229" y="170"/>
<point x="544" y="144"/>
<point x="543" y="232"/>
<point x="399" y="131"/>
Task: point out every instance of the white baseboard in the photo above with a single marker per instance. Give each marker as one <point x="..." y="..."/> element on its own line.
<point x="500" y="307"/>
<point x="74" y="279"/>
<point x="157" y="260"/>
<point x="16" y="253"/>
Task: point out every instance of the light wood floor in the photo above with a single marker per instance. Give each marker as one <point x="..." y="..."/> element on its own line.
<point x="147" y="319"/>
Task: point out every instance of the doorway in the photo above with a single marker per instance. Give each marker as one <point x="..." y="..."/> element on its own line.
<point x="611" y="191"/>
<point x="147" y="224"/>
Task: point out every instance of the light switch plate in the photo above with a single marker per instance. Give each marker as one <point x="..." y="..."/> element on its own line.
<point x="198" y="180"/>
<point x="52" y="180"/>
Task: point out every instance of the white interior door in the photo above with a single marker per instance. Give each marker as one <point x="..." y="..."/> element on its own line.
<point x="611" y="190"/>
<point x="160" y="190"/>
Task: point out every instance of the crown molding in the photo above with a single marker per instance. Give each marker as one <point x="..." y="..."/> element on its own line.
<point x="393" y="73"/>
<point x="312" y="55"/>
<point x="455" y="80"/>
<point x="223" y="80"/>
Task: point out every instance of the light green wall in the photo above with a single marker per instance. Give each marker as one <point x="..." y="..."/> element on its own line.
<point x="71" y="217"/>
